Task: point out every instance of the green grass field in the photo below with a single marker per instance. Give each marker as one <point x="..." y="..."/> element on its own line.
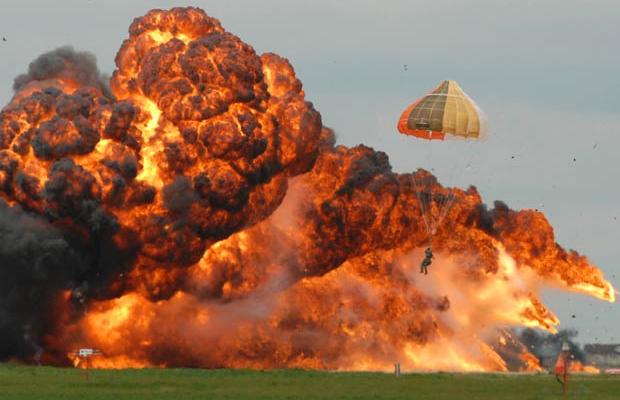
<point x="19" y="382"/>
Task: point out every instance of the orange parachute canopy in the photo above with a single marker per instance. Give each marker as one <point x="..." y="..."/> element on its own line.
<point x="447" y="110"/>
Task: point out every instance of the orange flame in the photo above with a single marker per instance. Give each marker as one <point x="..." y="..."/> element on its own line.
<point x="225" y="228"/>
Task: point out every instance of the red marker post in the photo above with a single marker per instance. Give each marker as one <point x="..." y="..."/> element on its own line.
<point x="562" y="366"/>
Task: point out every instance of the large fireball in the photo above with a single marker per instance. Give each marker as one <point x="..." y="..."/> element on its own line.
<point x="194" y="211"/>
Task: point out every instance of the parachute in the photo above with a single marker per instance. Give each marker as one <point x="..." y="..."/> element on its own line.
<point x="446" y="112"/>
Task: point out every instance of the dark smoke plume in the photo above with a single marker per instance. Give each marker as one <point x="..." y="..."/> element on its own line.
<point x="65" y="64"/>
<point x="170" y="191"/>
<point x="35" y="262"/>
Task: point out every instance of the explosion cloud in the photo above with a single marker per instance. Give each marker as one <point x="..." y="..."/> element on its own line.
<point x="195" y="212"/>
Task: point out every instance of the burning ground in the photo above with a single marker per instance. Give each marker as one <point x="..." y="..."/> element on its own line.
<point x="192" y="210"/>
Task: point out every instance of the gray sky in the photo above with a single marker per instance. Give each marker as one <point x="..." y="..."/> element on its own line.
<point x="545" y="72"/>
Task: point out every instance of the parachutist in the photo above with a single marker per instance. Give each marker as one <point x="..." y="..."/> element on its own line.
<point x="428" y="260"/>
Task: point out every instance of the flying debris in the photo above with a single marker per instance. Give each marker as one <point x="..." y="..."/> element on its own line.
<point x="196" y="197"/>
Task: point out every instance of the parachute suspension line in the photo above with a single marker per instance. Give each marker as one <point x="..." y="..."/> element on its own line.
<point x="444" y="202"/>
<point x="425" y="199"/>
<point x="424" y="194"/>
<point x="474" y="149"/>
<point x="423" y="206"/>
<point x="430" y="207"/>
<point x="447" y="202"/>
<point x="451" y="199"/>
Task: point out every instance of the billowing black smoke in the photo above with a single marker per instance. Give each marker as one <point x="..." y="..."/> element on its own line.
<point x="35" y="262"/>
<point x="40" y="258"/>
<point x="66" y="64"/>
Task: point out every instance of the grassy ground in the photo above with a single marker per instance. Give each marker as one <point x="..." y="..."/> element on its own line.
<point x="18" y="382"/>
